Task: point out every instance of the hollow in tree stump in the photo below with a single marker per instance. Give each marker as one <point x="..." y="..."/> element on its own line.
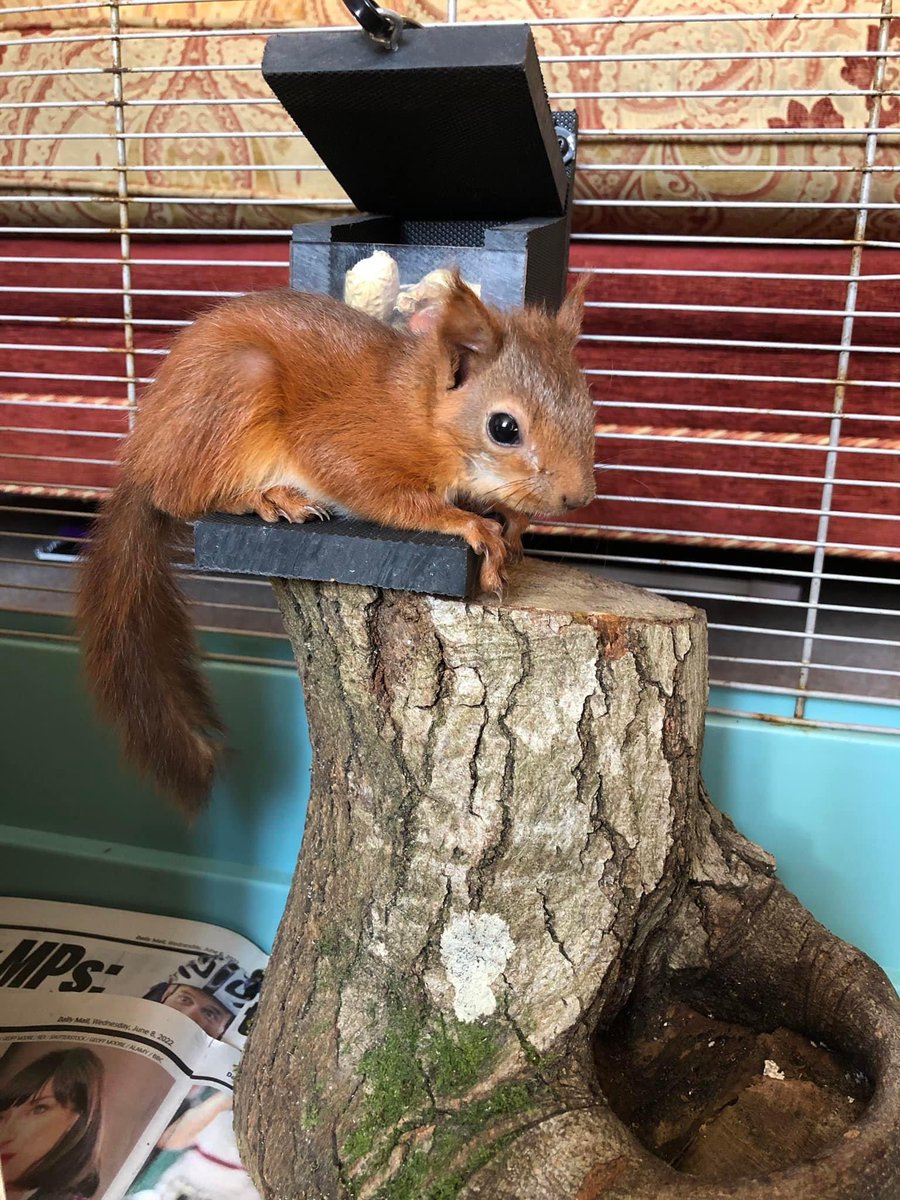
<point x="508" y="849"/>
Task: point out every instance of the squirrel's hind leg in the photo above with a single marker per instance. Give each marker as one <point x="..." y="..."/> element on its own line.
<point x="293" y="505"/>
<point x="282" y="501"/>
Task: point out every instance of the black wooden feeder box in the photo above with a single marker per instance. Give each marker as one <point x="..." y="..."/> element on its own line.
<point x="449" y="150"/>
<point x="449" y="141"/>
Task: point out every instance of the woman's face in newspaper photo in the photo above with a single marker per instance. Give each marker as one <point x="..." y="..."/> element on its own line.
<point x="31" y="1129"/>
<point x="50" y="1118"/>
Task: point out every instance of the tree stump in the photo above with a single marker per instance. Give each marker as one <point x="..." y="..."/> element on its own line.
<point x="508" y="850"/>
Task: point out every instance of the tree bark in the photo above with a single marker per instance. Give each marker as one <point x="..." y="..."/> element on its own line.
<point x="508" y="842"/>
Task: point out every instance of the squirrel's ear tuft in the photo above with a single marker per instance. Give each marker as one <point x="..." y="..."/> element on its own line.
<point x="466" y="330"/>
<point x="571" y="313"/>
<point x="464" y="325"/>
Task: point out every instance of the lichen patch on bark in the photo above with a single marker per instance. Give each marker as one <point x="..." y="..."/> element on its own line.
<point x="475" y="948"/>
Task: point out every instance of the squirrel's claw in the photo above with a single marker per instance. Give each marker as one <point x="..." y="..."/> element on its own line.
<point x="293" y="505"/>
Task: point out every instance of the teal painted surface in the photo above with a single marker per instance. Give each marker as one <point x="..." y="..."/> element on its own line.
<point x="74" y="824"/>
<point x="61" y="779"/>
<point x="844" y="712"/>
<point x="827" y="805"/>
<point x="249" y="900"/>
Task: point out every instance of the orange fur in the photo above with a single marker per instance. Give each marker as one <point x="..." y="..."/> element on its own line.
<point x="292" y="405"/>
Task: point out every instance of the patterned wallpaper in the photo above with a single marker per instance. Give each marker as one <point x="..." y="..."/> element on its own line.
<point x="216" y="71"/>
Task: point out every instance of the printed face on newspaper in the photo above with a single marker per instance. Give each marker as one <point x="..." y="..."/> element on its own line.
<point x="119" y="1039"/>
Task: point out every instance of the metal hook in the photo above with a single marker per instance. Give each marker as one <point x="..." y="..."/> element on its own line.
<point x="566" y="140"/>
<point x="383" y="26"/>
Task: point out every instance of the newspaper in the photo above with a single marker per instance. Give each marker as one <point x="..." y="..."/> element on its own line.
<point x="120" y="1035"/>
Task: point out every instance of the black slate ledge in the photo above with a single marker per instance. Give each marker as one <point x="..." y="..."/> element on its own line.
<point x="341" y="550"/>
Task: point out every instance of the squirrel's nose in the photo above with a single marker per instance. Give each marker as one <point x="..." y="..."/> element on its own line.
<point x="580" y="496"/>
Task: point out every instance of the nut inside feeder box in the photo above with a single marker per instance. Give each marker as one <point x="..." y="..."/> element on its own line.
<point x="450" y="151"/>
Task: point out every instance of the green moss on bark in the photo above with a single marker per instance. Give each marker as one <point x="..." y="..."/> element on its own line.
<point x="441" y="1172"/>
<point x="417" y="1068"/>
<point x="394" y="1080"/>
<point x="459" y="1055"/>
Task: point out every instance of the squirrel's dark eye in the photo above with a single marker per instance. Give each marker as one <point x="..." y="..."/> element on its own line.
<point x="504" y="429"/>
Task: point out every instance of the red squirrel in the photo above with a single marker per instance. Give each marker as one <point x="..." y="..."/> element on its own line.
<point x="297" y="406"/>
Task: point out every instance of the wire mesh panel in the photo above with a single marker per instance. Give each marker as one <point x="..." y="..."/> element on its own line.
<point x="736" y="211"/>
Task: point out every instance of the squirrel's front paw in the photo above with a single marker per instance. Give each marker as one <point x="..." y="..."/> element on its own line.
<point x="486" y="538"/>
<point x="514" y="525"/>
<point x="514" y="551"/>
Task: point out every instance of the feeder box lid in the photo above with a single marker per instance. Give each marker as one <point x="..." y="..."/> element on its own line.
<point x="455" y="123"/>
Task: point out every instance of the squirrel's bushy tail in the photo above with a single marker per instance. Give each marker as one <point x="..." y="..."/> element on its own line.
<point x="139" y="652"/>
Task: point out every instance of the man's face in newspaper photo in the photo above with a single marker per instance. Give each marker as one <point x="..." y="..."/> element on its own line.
<point x="31" y="1129"/>
<point x="212" y="1017"/>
